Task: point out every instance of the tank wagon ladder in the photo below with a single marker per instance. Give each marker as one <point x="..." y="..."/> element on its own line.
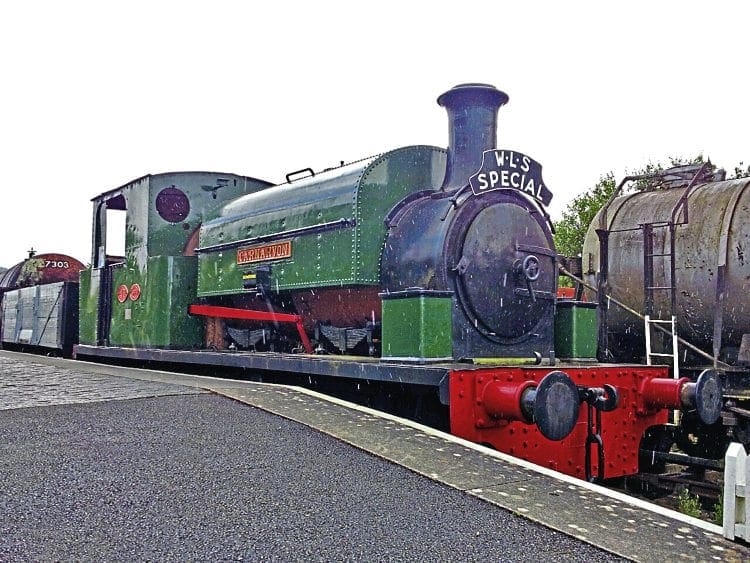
<point x="649" y="288"/>
<point x="679" y="216"/>
<point x="648" y="321"/>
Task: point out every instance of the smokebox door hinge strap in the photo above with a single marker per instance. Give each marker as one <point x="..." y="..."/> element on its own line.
<point x="462" y="266"/>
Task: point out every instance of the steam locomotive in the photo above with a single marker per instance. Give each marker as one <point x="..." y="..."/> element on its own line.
<point x="427" y="274"/>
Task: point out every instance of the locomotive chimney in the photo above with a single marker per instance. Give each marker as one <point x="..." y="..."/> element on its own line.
<point x="472" y="126"/>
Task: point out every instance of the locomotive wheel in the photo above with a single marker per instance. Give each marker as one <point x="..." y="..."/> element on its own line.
<point x="697" y="439"/>
<point x="656" y="439"/>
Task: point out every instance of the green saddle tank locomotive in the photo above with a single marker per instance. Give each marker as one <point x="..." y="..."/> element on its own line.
<point x="421" y="271"/>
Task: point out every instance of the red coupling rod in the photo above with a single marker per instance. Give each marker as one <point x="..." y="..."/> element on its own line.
<point x="250" y="315"/>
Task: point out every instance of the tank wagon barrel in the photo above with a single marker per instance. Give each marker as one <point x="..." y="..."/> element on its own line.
<point x="711" y="274"/>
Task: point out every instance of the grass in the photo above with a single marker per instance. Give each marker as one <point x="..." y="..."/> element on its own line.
<point x="718" y="512"/>
<point x="689" y="504"/>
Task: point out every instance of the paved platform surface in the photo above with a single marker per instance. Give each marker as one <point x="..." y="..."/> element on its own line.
<point x="23" y="385"/>
<point x="185" y="474"/>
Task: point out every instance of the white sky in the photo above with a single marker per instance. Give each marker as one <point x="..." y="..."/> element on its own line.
<point x="94" y="94"/>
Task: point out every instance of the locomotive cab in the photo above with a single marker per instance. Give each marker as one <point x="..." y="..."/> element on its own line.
<point x="141" y="298"/>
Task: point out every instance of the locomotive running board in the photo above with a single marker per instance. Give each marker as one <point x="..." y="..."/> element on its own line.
<point x="294" y="364"/>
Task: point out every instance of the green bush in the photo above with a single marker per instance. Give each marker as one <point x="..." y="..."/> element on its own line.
<point x="689" y="504"/>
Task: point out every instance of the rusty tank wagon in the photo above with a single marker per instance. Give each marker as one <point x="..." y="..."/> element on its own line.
<point x="678" y="248"/>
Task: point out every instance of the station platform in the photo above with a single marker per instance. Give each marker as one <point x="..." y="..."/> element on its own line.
<point x="104" y="462"/>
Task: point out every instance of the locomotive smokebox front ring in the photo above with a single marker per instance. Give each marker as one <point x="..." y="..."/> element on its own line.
<point x="489" y="248"/>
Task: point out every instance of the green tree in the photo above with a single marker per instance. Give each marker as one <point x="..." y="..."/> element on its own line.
<point x="571" y="229"/>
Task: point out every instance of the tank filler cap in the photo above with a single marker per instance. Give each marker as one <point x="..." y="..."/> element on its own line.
<point x="556" y="406"/>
